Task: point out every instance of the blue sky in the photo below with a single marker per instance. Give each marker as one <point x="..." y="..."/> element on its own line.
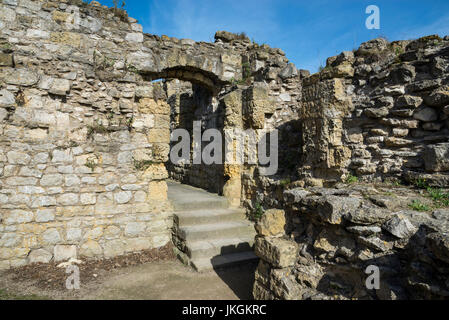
<point x="308" y="31"/>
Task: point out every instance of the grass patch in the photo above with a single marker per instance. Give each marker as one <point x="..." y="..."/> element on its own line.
<point x="421" y="184"/>
<point x="242" y="36"/>
<point x="6" y="295"/>
<point x="439" y="197"/>
<point x="419" y="206"/>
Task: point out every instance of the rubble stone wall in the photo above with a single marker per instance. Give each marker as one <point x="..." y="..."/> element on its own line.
<point x="379" y="112"/>
<point x="376" y="115"/>
<point x="322" y="245"/>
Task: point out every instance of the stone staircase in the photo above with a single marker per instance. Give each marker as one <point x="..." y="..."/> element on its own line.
<point x="207" y="233"/>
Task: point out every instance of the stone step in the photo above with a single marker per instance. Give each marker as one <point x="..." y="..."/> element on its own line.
<point x="187" y="198"/>
<point x="214" y="247"/>
<point x="216" y="231"/>
<point x="226" y="260"/>
<point x="200" y="204"/>
<point x="208" y="216"/>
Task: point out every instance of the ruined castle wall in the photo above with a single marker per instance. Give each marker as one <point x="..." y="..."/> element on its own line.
<point x="326" y="242"/>
<point x="84" y="133"/>
<point x="378" y="113"/>
<point x="80" y="153"/>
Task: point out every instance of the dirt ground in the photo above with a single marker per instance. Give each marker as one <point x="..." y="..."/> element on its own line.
<point x="160" y="280"/>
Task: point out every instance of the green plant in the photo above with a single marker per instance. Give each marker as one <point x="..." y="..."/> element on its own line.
<point x="129" y="123"/>
<point x="421" y="183"/>
<point x="98" y="127"/>
<point x="258" y="211"/>
<point x="285" y="182"/>
<point x="6" y="46"/>
<point x="419" y="206"/>
<point x="352" y="179"/>
<point x="91" y="163"/>
<point x="440" y="198"/>
<point x="246" y="70"/>
<point x="132" y="69"/>
<point x="73" y="144"/>
<point x="20" y="98"/>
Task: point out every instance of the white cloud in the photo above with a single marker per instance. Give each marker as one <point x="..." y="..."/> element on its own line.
<point x="200" y="19"/>
<point x="440" y="26"/>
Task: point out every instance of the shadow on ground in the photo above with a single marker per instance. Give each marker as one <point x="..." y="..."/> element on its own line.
<point x="239" y="278"/>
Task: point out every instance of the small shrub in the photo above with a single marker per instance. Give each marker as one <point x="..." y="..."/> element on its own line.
<point x="242" y="36"/>
<point x="129" y="123"/>
<point x="96" y="128"/>
<point x="258" y="211"/>
<point x="419" y="206"/>
<point x="352" y="179"/>
<point x="91" y="164"/>
<point x="421" y="184"/>
<point x="20" y="98"/>
<point x="131" y="68"/>
<point x="246" y="70"/>
<point x="285" y="182"/>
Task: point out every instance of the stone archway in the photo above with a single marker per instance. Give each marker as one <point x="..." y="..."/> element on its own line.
<point x="209" y="104"/>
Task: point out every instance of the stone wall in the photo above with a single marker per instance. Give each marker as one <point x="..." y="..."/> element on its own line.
<point x="322" y="244"/>
<point x="375" y="114"/>
<point x="379" y="112"/>
<point x="85" y="132"/>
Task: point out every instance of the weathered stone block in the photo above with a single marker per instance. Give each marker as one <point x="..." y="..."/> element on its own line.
<point x="123" y="197"/>
<point x="439" y="97"/>
<point x="45" y="215"/>
<point x="20" y="77"/>
<point x="65" y="252"/>
<point x="60" y="87"/>
<point x="272" y="223"/>
<point x="436" y="157"/>
<point x="426" y="115"/>
<point x="67" y="38"/>
<point x="6" y="60"/>
<point x="39" y="256"/>
<point x="400" y="227"/>
<point x="159" y="135"/>
<point x="18" y="216"/>
<point x="333" y="209"/>
<point x="138" y="244"/>
<point x="279" y="252"/>
<point x="114" y="248"/>
<point x="157" y="190"/>
<point x="92" y="249"/>
<point x="51" y="236"/>
<point x="17" y="157"/>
